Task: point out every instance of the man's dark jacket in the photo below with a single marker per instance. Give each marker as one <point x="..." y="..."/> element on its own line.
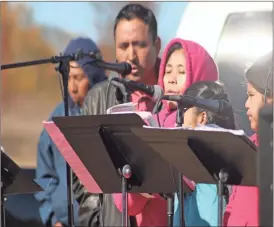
<point x="95" y="209"/>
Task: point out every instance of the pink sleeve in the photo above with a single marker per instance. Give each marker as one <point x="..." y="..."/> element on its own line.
<point x="136" y="203"/>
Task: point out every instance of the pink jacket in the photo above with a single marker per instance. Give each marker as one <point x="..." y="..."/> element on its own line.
<point x="243" y="206"/>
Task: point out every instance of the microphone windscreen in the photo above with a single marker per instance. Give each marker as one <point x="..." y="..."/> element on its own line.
<point x="128" y="69"/>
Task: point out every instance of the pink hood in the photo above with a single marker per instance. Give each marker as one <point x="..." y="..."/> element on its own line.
<point x="199" y="66"/>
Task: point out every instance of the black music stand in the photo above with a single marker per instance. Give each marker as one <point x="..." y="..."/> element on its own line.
<point x="113" y="155"/>
<point x="14" y="181"/>
<point x="206" y="156"/>
<point x="265" y="165"/>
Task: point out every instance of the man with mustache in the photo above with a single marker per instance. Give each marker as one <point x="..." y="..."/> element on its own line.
<point x="136" y="42"/>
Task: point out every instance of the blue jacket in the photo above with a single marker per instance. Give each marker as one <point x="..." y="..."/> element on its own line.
<point x="200" y="207"/>
<point x="51" y="167"/>
<point x="51" y="175"/>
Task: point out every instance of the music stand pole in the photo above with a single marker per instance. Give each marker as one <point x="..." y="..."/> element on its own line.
<point x="64" y="68"/>
<point x="3" y="215"/>
<point x="126" y="174"/>
<point x="179" y="123"/>
<point x="222" y="179"/>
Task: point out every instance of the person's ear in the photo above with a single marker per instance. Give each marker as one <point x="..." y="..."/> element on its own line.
<point x="269" y="100"/>
<point x="202" y="118"/>
<point x="158" y="45"/>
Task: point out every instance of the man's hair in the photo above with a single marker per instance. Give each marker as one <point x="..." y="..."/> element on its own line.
<point x="137" y="11"/>
<point x="212" y="90"/>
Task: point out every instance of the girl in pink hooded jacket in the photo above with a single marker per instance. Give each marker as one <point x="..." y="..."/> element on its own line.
<point x="243" y="206"/>
<point x="183" y="63"/>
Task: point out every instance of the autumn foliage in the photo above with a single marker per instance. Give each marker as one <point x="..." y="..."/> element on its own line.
<point x="23" y="42"/>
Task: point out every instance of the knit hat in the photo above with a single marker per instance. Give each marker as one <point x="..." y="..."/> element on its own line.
<point x="260" y="75"/>
<point x="95" y="74"/>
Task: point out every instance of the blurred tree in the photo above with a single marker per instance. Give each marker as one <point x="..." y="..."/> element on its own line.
<point x="21" y="40"/>
<point x="106" y="13"/>
<point x="28" y="94"/>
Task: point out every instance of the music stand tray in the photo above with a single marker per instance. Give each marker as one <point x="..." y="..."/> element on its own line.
<point x="113" y="146"/>
<point x="211" y="157"/>
<point x="106" y="146"/>
<point x="14" y="181"/>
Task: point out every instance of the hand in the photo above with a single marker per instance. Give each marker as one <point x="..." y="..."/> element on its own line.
<point x="146" y="195"/>
<point x="58" y="224"/>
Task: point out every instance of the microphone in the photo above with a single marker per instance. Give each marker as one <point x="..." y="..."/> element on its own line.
<point x="122" y="68"/>
<point x="153" y="90"/>
<point x="215" y="106"/>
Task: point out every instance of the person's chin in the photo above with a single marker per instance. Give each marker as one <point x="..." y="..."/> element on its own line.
<point x="134" y="77"/>
<point x="76" y="101"/>
<point x="254" y="126"/>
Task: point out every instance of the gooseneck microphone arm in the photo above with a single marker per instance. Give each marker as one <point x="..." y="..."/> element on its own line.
<point x="216" y="106"/>
<point x="155" y="91"/>
<point x="54" y="60"/>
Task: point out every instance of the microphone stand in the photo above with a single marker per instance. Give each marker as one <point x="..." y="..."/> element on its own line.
<point x="179" y="122"/>
<point x="170" y="196"/>
<point x="63" y="68"/>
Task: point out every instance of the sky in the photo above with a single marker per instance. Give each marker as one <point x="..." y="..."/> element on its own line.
<point x="73" y="17"/>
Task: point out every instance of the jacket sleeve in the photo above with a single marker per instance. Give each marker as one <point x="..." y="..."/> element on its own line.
<point x="46" y="175"/>
<point x="47" y="178"/>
